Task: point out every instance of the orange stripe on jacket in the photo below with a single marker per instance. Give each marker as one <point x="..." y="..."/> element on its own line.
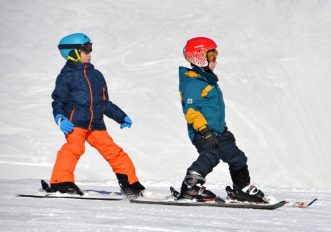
<point x="72" y="113"/>
<point x="91" y="97"/>
<point x="104" y="94"/>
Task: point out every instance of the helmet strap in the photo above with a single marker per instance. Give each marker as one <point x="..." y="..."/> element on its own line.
<point x="74" y="56"/>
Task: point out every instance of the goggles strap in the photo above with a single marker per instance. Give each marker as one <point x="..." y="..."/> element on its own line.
<point x="77" y="57"/>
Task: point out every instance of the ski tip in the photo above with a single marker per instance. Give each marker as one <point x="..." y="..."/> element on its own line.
<point x="300" y="204"/>
<point x="310" y="203"/>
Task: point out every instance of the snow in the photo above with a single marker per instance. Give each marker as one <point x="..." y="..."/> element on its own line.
<point x="274" y="69"/>
<point x="29" y="214"/>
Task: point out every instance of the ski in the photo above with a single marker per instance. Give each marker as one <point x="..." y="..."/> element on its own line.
<point x="186" y="202"/>
<point x="218" y="202"/>
<point x="70" y="196"/>
<point x="300" y="204"/>
<point x="289" y="203"/>
<point x="88" y="194"/>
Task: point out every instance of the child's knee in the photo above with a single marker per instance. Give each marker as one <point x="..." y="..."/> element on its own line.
<point x="75" y="148"/>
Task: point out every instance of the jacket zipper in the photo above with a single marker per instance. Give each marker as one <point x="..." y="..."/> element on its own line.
<point x="91" y="98"/>
<point x="104" y="93"/>
<point x="104" y="98"/>
<point x="72" y="113"/>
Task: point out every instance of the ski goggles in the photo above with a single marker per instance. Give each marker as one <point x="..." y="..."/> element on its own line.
<point x="87" y="47"/>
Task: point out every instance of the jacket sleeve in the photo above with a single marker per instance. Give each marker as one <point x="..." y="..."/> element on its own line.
<point x="60" y="96"/>
<point x="192" y="105"/>
<point x="111" y="110"/>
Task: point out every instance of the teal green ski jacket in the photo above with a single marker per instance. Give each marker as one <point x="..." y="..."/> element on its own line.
<point x="202" y="101"/>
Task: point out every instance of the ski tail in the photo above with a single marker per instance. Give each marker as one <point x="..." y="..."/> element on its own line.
<point x="175" y="193"/>
<point x="45" y="186"/>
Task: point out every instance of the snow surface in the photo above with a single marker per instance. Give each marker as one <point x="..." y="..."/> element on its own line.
<point x="30" y="214"/>
<point x="274" y="69"/>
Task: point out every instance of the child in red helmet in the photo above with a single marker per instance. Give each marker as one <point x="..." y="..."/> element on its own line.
<point x="204" y="110"/>
<point x="80" y="99"/>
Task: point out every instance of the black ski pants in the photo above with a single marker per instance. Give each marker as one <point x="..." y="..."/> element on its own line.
<point x="228" y="152"/>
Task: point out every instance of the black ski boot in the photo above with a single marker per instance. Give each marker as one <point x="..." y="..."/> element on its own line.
<point x="192" y="188"/>
<point x="249" y="193"/>
<point x="130" y="190"/>
<point x="66" y="187"/>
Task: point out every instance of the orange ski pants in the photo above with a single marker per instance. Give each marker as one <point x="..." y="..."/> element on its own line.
<point x="71" y="151"/>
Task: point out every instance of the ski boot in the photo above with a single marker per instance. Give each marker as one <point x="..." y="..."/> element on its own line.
<point x="192" y="188"/>
<point x="249" y="193"/>
<point x="66" y="187"/>
<point x="130" y="190"/>
<point x="134" y="190"/>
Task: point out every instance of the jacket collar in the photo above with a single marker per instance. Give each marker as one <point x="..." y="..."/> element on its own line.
<point x="73" y="66"/>
<point x="210" y="76"/>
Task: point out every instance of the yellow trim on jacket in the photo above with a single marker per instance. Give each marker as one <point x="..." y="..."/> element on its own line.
<point x="206" y="90"/>
<point x="191" y="74"/>
<point x="195" y="118"/>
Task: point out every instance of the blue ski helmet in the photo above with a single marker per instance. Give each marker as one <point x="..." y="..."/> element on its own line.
<point x="72" y="42"/>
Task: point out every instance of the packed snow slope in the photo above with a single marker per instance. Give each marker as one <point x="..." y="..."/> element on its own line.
<point x="274" y="69"/>
<point x="54" y="215"/>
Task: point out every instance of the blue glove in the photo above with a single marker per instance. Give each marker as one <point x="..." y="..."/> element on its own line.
<point x="126" y="123"/>
<point x="65" y="125"/>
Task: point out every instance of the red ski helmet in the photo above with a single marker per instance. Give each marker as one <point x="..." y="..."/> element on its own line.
<point x="195" y="50"/>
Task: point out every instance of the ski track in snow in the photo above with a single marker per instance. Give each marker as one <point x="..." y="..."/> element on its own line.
<point x="29" y="214"/>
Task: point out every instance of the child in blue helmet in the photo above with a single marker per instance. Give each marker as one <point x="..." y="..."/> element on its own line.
<point x="204" y="110"/>
<point x="80" y="99"/>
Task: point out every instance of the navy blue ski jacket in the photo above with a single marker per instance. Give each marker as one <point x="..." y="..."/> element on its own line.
<point x="81" y="95"/>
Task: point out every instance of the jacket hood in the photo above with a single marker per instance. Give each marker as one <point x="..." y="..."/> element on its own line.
<point x="183" y="78"/>
<point x="186" y="75"/>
